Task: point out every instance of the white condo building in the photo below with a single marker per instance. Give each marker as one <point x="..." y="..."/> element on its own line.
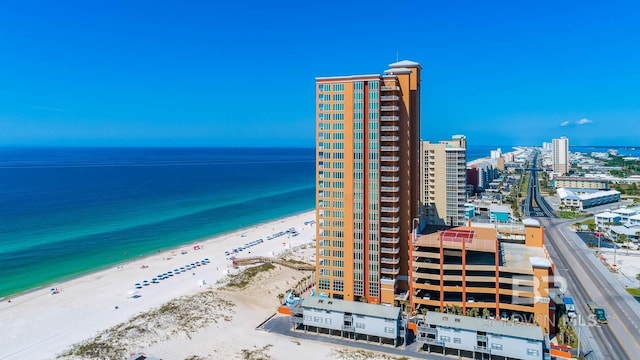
<point x="443" y="181"/>
<point x="560" y="155"/>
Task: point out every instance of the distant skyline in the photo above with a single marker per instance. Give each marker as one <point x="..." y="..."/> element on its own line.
<point x="197" y="73"/>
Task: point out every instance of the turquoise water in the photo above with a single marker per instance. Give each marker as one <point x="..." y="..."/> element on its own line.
<point x="66" y="212"/>
<point x="69" y="211"/>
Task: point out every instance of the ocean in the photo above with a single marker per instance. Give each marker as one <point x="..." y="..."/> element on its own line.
<point x="65" y="212"/>
<point x="68" y="211"/>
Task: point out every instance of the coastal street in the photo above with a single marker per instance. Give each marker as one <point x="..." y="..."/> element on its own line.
<point x="588" y="280"/>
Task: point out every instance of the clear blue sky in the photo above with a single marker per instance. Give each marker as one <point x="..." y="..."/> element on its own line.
<point x="220" y="73"/>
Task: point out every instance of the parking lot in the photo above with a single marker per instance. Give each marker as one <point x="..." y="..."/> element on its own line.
<point x="591" y="240"/>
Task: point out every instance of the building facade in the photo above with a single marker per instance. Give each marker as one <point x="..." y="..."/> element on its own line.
<point x="473" y="337"/>
<point x="494" y="271"/>
<point x="355" y="320"/>
<point x="580" y="199"/>
<point x="580" y="183"/>
<point x="367" y="182"/>
<point x="443" y="181"/>
<point x="560" y="155"/>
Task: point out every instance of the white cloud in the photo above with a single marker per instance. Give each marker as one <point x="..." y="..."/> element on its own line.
<point x="583" y="121"/>
<point x="564" y="123"/>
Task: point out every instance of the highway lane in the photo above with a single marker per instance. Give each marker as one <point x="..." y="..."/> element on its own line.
<point x="613" y="341"/>
<point x="619" y="338"/>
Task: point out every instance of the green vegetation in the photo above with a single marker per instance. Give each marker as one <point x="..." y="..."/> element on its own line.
<point x="627" y="189"/>
<point x="184" y="315"/>
<point x="571" y="214"/>
<point x="257" y="353"/>
<point x="352" y="354"/>
<point x="242" y="279"/>
<point x="566" y="335"/>
<point x="633" y="291"/>
<point x="629" y="167"/>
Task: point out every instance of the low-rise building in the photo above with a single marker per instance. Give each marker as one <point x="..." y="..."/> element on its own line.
<point x="580" y="199"/>
<point x="352" y="319"/>
<point x="579" y="183"/>
<point x="631" y="231"/>
<point x="474" y="337"/>
<point x="499" y="213"/>
<point x="626" y="213"/>
<point x="606" y="219"/>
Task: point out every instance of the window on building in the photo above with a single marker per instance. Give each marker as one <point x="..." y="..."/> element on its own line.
<point x="533" y="352"/>
<point x="457" y="340"/>
<point x="496" y="346"/>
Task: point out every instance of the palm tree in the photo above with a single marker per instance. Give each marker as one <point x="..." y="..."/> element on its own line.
<point x="424" y="311"/>
<point x="485" y="313"/>
<point x="624" y="238"/>
<point x="473" y="312"/>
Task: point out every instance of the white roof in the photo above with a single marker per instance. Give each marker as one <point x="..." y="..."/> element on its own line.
<point x="405" y="63"/>
<point x="517" y="330"/>
<point x="499" y="208"/>
<point x="401" y="70"/>
<point x="531" y="222"/>
<point x="354" y="307"/>
<point x="607" y="215"/>
<point x="584" y="194"/>
<point x="625" y="211"/>
<point x="539" y="262"/>
<point x="629" y="230"/>
<point x="340" y="77"/>
<point x="634" y="217"/>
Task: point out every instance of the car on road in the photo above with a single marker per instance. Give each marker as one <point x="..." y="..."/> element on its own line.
<point x="598" y="311"/>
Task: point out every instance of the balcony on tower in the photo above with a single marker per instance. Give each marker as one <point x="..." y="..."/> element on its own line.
<point x="389" y="117"/>
<point x="392" y="271"/>
<point x="393" y="189"/>
<point x="389" y="98"/>
<point x="390" y="261"/>
<point x="389" y="108"/>
<point x="389" y="178"/>
<point x="390" y="239"/>
<point x="390" y="168"/>
<point x="390" y="158"/>
<point x="389" y="148"/>
<point x="393" y="251"/>
<point x="390" y="220"/>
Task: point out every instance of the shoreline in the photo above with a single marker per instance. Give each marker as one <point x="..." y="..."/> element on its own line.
<point x="41" y="324"/>
<point x="68" y="278"/>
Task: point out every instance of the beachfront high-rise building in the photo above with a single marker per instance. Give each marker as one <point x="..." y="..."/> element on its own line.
<point x="443" y="181"/>
<point x="367" y="182"/>
<point x="560" y="155"/>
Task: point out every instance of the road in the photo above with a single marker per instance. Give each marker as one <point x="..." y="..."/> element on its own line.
<point x="587" y="280"/>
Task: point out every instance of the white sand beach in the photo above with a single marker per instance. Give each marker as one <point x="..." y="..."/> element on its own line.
<point x="40" y="324"/>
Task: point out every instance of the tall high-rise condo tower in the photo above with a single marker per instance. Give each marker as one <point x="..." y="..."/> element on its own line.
<point x="367" y="182"/>
<point x="443" y="181"/>
<point x="560" y="153"/>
